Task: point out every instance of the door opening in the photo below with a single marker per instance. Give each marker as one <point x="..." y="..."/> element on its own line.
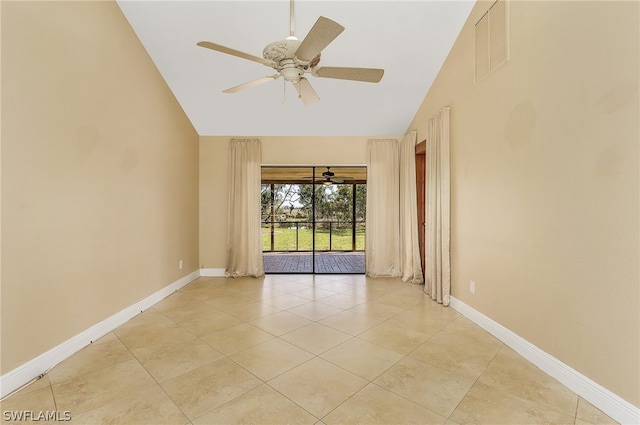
<point x="313" y="219"/>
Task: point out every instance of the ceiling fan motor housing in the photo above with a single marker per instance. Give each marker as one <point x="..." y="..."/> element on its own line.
<point x="279" y="50"/>
<point x="283" y="53"/>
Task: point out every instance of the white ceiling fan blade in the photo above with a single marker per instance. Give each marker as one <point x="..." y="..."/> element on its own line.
<point x="306" y="92"/>
<point x="233" y="52"/>
<point x="369" y="75"/>
<point x="251" y="83"/>
<point x="323" y="32"/>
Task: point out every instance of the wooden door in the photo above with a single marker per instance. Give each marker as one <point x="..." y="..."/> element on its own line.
<point x="421" y="149"/>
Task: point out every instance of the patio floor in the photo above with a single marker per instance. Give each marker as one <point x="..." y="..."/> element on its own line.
<point x="326" y="262"/>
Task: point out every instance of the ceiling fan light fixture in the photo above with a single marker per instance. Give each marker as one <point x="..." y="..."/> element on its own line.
<point x="289" y="71"/>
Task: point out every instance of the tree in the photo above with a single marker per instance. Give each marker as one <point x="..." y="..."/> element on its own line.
<point x="332" y="202"/>
<point x="283" y="196"/>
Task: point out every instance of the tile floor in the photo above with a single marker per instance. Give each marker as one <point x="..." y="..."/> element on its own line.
<point x="301" y="349"/>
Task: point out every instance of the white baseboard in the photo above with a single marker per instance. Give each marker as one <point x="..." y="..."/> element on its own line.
<point x="29" y="371"/>
<point x="611" y="404"/>
<point x="212" y="272"/>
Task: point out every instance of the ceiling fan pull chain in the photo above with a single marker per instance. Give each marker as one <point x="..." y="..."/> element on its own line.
<point x="284" y="92"/>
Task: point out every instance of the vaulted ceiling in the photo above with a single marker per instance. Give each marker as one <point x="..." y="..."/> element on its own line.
<point x="408" y="39"/>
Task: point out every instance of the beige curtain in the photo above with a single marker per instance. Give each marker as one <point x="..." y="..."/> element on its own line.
<point x="382" y="255"/>
<point x="244" y="241"/>
<point x="410" y="267"/>
<point x="437" y="238"/>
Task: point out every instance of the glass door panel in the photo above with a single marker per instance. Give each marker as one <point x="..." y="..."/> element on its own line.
<point x="287" y="219"/>
<point x="340" y="201"/>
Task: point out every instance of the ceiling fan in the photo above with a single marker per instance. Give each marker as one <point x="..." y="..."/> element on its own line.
<point x="292" y="59"/>
<point x="329" y="178"/>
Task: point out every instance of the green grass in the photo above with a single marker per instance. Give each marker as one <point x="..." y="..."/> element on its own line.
<point x="285" y="239"/>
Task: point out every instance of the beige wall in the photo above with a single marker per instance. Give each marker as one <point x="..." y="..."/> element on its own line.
<point x="545" y="183"/>
<point x="275" y="151"/>
<point x="99" y="174"/>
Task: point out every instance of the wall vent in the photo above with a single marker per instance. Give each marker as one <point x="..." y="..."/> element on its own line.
<point x="492" y="40"/>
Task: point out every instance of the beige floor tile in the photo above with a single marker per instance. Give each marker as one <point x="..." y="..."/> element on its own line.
<point x="189" y="311"/>
<point x="377" y="310"/>
<point x="374" y="405"/>
<point x="343" y="301"/>
<point x="280" y="323"/>
<point x="206" y="292"/>
<point x="351" y="323"/>
<point x="315" y="310"/>
<point x="289" y="287"/>
<point x="244" y="283"/>
<point x="208" y="387"/>
<point x="210" y="323"/>
<point x="177" y="359"/>
<point x="318" y="386"/>
<point x="401" y="299"/>
<point x="36" y="400"/>
<point x="150" y="406"/>
<point x="429" y="326"/>
<point x="591" y="414"/>
<point x="487" y="405"/>
<point x="510" y="372"/>
<point x="209" y="281"/>
<point x="237" y="338"/>
<point x="149" y="318"/>
<point x="286" y="301"/>
<point x="366" y="292"/>
<point x="271" y="358"/>
<point x="177" y="299"/>
<point x="273" y="279"/>
<point x="115" y="379"/>
<point x="260" y="293"/>
<point x="449" y="350"/>
<point x="390" y="283"/>
<point x="352" y="279"/>
<point x="336" y="286"/>
<point x="396" y="338"/>
<point x="363" y="358"/>
<point x="226" y="302"/>
<point x="93" y="390"/>
<point x="316" y="338"/>
<point x="436" y="389"/>
<point x="432" y="318"/>
<point x="262" y="405"/>
<point x="252" y="311"/>
<point x="91" y="358"/>
<point x="147" y="339"/>
<point x="314" y="293"/>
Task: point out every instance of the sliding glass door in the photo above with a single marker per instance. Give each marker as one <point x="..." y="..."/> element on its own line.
<point x="313" y="219"/>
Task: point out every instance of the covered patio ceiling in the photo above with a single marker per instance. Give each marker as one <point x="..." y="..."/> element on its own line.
<point x="304" y="175"/>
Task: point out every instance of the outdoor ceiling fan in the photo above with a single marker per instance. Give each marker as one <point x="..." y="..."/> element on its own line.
<point x="292" y="59"/>
<point x="329" y="177"/>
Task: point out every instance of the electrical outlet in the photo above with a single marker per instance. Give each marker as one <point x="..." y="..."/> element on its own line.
<point x="180" y="265"/>
<point x="472" y="287"/>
